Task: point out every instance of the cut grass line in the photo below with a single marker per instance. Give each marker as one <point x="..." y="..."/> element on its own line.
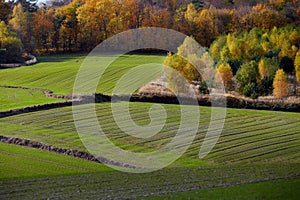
<point x="245" y="142"/>
<point x="285" y="189"/>
<point x="258" y="134"/>
<point x="271" y="151"/>
<point x="250" y="150"/>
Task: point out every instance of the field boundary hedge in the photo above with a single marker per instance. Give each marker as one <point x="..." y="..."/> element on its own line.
<point x="205" y="100"/>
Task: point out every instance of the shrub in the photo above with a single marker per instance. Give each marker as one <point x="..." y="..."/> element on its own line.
<point x="11" y="43"/>
<point x="250" y="90"/>
<point x="248" y="73"/>
<point x="13" y="46"/>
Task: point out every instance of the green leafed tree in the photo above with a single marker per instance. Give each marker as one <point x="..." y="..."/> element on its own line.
<point x="247" y="74"/>
<point x="10" y="45"/>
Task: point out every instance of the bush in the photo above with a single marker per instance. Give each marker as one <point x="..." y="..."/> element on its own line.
<point x="266" y="86"/>
<point x="14" y="49"/>
<point x="250" y="90"/>
<point x="246" y="75"/>
<point x="10" y="44"/>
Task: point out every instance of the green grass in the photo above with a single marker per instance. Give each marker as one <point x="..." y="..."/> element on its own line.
<point x="118" y="185"/>
<point x="284" y="189"/>
<point x="21" y="162"/>
<point x="248" y="135"/>
<point x="58" y="73"/>
<point x="255" y="146"/>
<point x="13" y="98"/>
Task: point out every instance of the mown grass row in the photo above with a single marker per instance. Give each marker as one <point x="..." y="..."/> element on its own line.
<point x="14" y="98"/>
<point x="118" y="185"/>
<point x="255" y="146"/>
<point x="284" y="189"/>
<point x="58" y="73"/>
<point x="247" y="135"/>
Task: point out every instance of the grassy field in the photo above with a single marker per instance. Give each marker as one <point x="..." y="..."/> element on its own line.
<point x="248" y="135"/>
<point x="58" y="73"/>
<point x="266" y="190"/>
<point x="13" y="98"/>
<point x="20" y="162"/>
<point x="257" y="147"/>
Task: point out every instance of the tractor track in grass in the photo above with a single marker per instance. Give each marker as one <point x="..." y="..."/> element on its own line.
<point x="118" y="185"/>
<point x="239" y="132"/>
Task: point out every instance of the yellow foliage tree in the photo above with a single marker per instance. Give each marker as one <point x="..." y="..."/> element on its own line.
<point x="234" y="46"/>
<point x="224" y="75"/>
<point x="207" y="31"/>
<point x="297" y="66"/>
<point x="280" y="84"/>
<point x="263" y="69"/>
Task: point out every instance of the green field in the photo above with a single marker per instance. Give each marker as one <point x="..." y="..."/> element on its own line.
<point x="13" y="98"/>
<point x="257" y="153"/>
<point x="21" y="162"/>
<point x="58" y="73"/>
<point x="248" y="135"/>
<point x="265" y="190"/>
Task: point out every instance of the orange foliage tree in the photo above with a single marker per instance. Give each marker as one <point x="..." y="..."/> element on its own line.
<point x="280" y="84"/>
<point x="43" y="27"/>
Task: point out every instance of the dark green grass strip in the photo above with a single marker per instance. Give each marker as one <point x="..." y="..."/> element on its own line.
<point x="272" y="190"/>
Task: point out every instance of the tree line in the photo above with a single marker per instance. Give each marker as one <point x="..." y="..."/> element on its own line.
<point x="252" y="43"/>
<point x="79" y="25"/>
<point x="254" y="63"/>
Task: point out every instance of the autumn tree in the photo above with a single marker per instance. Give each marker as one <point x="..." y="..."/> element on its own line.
<point x="10" y="45"/>
<point x="267" y="19"/>
<point x="297" y="66"/>
<point x="267" y="68"/>
<point x="206" y="28"/>
<point x="175" y="77"/>
<point x="224" y="75"/>
<point x="216" y="48"/>
<point x="235" y="46"/>
<point x="4" y="11"/>
<point x="280" y="84"/>
<point x="43" y="27"/>
<point x="95" y="27"/>
<point x="69" y="29"/>
<point x="21" y="23"/>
